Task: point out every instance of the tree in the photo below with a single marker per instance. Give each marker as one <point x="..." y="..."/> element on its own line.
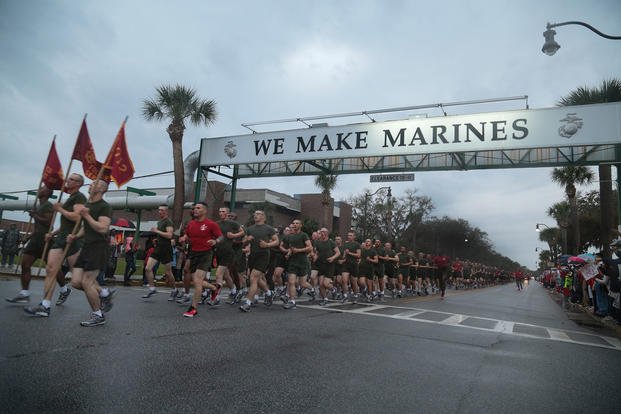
<point x="569" y="177"/>
<point x="178" y="104"/>
<point x="609" y="91"/>
<point x="326" y="182"/>
<point x="560" y="212"/>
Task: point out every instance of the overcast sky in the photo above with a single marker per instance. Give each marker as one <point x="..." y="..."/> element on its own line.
<point x="267" y="60"/>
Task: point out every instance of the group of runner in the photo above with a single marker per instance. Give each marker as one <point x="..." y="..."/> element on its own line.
<point x="281" y="264"/>
<point x="288" y="263"/>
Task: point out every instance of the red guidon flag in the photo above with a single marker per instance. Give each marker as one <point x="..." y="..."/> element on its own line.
<point x="118" y="163"/>
<point x="84" y="151"/>
<point x="53" y="171"/>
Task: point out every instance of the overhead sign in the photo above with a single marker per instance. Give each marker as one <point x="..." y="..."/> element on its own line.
<point x="385" y="178"/>
<point x="532" y="128"/>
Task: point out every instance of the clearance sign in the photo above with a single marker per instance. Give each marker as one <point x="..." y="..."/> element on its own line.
<point x="532" y="128"/>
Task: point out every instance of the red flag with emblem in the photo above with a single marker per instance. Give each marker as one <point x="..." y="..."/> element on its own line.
<point x="84" y="151"/>
<point x="53" y="171"/>
<point x="118" y="163"/>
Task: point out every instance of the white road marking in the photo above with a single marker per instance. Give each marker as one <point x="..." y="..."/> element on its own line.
<point x="452" y="319"/>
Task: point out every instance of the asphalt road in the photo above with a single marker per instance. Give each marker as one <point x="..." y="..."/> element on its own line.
<point x="479" y="351"/>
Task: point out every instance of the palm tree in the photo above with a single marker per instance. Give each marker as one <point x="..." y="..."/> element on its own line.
<point x="326" y="182"/>
<point x="569" y="177"/>
<point x="178" y="104"/>
<point x="609" y="91"/>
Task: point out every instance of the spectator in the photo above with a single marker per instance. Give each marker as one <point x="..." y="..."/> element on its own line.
<point x="129" y="249"/>
<point x="10" y="246"/>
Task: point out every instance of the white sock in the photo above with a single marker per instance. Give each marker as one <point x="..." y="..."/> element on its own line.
<point x="98" y="312"/>
<point x="46" y="303"/>
<point x="233" y="291"/>
<point x="268" y="293"/>
<point x="64" y="289"/>
<point x="104" y="293"/>
<point x="24" y="293"/>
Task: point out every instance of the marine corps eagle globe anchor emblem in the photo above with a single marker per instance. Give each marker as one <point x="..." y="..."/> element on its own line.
<point x="572" y="125"/>
<point x="230" y="150"/>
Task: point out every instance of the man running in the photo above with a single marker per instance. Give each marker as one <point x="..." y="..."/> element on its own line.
<point x="261" y="238"/>
<point x="162" y="254"/>
<point x="93" y="258"/>
<point x="225" y="255"/>
<point x="69" y="216"/>
<point x="203" y="234"/>
<point x="42" y="217"/>
<point x="326" y="253"/>
<point x="299" y="246"/>
<point x="351" y="254"/>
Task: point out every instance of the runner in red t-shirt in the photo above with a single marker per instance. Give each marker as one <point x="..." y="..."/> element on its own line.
<point x="203" y="234"/>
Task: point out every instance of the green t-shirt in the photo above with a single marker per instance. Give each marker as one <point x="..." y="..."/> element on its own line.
<point x="404" y="259"/>
<point x="352" y="246"/>
<point x="260" y="232"/>
<point x="325" y="249"/>
<point x="43" y="209"/>
<point x="227" y="226"/>
<point x="162" y="225"/>
<point x="97" y="209"/>
<point x="364" y="263"/>
<point x="297" y="241"/>
<point x="66" y="225"/>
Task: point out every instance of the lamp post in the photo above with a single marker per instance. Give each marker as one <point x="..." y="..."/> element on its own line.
<point x="550" y="46"/>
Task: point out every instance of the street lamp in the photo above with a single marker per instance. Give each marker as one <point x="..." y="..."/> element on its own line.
<point x="550" y="46"/>
<point x="537" y="228"/>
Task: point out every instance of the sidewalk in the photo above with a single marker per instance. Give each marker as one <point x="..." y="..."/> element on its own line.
<point x="583" y="315"/>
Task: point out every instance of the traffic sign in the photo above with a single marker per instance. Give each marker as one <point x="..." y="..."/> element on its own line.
<point x="385" y="178"/>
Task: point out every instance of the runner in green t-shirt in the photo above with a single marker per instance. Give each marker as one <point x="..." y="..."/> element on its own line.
<point x="351" y="254"/>
<point x="299" y="246"/>
<point x="42" y="216"/>
<point x="161" y="254"/>
<point x="58" y="239"/>
<point x="261" y="238"/>
<point x="96" y="216"/>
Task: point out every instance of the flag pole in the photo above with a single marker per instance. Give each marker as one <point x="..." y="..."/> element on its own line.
<point x="60" y="197"/>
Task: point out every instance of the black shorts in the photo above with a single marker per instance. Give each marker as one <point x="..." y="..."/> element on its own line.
<point x="162" y="254"/>
<point x="200" y="261"/>
<point x="94" y="256"/>
<point x="390" y="271"/>
<point x="35" y="245"/>
<point x="351" y="268"/>
<point x="225" y="256"/>
<point x="259" y="261"/>
<point x="325" y="269"/>
<point x="60" y="241"/>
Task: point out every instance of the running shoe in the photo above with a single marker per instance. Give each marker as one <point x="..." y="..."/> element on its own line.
<point x="344" y="299"/>
<point x="268" y="300"/>
<point x="284" y="299"/>
<point x="191" y="312"/>
<point x="289" y="305"/>
<point x="183" y="300"/>
<point x="38" y="310"/>
<point x="299" y="291"/>
<point x="173" y="295"/>
<point x="213" y="302"/>
<point x="95" y="320"/>
<point x="323" y="302"/>
<point x="106" y="302"/>
<point x="150" y="293"/>
<point x="19" y="299"/>
<point x="245" y="307"/>
<point x="62" y="296"/>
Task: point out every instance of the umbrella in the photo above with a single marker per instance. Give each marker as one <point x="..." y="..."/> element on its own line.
<point x="122" y="222"/>
<point x="563" y="259"/>
<point x="588" y="257"/>
<point x="575" y="260"/>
